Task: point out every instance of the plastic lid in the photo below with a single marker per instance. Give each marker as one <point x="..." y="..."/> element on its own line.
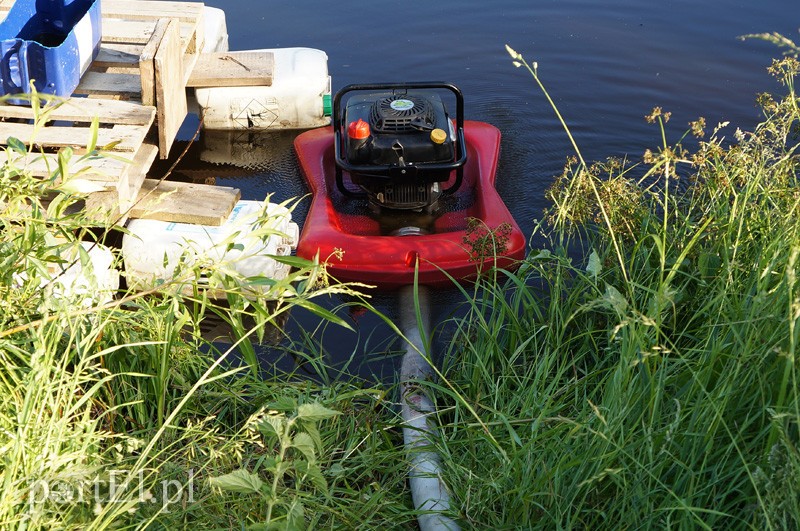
<point x="358" y="130"/>
<point x="326" y="105"/>
<point x="438" y="136"/>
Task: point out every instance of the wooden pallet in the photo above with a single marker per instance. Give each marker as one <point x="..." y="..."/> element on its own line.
<point x="127" y="27"/>
<point x="123" y="156"/>
<point x="148" y="54"/>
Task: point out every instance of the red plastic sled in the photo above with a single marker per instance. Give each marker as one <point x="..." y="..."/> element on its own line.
<point x="357" y="246"/>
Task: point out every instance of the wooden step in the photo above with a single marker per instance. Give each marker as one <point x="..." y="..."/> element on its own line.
<point x="233" y="69"/>
<point x="180" y="202"/>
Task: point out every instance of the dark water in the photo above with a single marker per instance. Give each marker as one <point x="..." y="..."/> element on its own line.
<point x="606" y="64"/>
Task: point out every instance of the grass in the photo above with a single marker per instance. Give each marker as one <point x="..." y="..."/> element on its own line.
<point x="116" y="411"/>
<point x="637" y="371"/>
<point x="641" y="371"/>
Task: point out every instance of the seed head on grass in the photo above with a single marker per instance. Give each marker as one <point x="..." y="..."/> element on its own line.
<point x="581" y="195"/>
<point x="698" y="127"/>
<point x="519" y="61"/>
<point x="784" y="69"/>
<point x="657" y="113"/>
<point x="483" y="241"/>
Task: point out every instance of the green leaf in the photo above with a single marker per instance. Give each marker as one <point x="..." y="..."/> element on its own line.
<point x="336" y="470"/>
<point x="261" y="281"/>
<point x="294" y="261"/>
<point x="17" y="145"/>
<point x="110" y="146"/>
<point x="295" y="516"/>
<point x="93" y="130"/>
<point x="615" y="300"/>
<point x="80" y="186"/>
<point x="313" y="432"/>
<point x="272" y="425"/>
<point x="312" y="472"/>
<point x="64" y="156"/>
<point x="238" y="481"/>
<point x="595" y="266"/>
<point x="323" y="313"/>
<point x="315" y="412"/>
<point x="305" y="444"/>
<point x="283" y="403"/>
<point x="268" y="465"/>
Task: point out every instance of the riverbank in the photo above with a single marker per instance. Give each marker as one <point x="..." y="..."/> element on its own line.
<point x="638" y="370"/>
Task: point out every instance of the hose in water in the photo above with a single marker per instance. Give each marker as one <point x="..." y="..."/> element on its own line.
<point x="425" y="478"/>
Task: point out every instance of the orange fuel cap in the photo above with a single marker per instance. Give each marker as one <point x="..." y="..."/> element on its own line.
<point x="438" y="136"/>
<point x="358" y="130"/>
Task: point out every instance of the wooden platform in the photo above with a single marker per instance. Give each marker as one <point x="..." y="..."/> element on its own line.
<point x="148" y="51"/>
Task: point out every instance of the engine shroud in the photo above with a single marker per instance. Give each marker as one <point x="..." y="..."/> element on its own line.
<point x="410" y="147"/>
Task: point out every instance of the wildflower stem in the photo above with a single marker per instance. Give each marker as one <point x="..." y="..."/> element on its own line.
<point x="533" y="69"/>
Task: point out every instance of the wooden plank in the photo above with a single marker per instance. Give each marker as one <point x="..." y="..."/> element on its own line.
<point x="138" y="171"/>
<point x="151" y="9"/>
<point x="233" y="69"/>
<point x="114" y="84"/>
<point x="124" y="137"/>
<point x="138" y="9"/>
<point x="114" y="54"/>
<point x="147" y="68"/>
<point x="171" y="102"/>
<point x="103" y="169"/>
<point x="117" y="202"/>
<point x="185" y="202"/>
<point x="197" y="38"/>
<point x="84" y="109"/>
<point x="127" y="31"/>
<point x="139" y="31"/>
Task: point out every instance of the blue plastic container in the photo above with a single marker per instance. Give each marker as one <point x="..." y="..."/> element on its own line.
<point x="49" y="42"/>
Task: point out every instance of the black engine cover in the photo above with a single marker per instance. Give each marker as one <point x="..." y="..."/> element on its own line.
<point x="401" y="125"/>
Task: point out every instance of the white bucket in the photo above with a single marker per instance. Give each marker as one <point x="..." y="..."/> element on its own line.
<point x="152" y="250"/>
<point x="299" y="97"/>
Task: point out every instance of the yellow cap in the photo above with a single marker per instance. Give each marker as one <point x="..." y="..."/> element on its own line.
<point x="438" y="136"/>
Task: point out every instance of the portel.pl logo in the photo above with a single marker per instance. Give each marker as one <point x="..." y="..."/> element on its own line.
<point x="119" y="487"/>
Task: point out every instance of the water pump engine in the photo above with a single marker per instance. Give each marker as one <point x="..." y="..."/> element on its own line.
<point x="398" y="144"/>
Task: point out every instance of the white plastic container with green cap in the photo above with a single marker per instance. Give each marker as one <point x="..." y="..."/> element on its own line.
<point x="298" y="98"/>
